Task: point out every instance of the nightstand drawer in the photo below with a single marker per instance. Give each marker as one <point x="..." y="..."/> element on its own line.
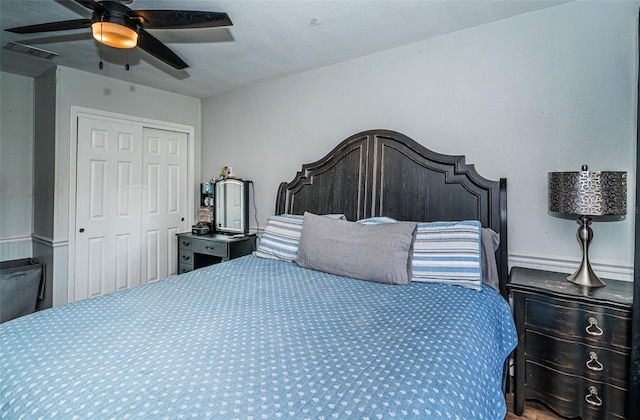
<point x="185" y="257"/>
<point x="184" y="268"/>
<point x="588" y="325"/>
<point x="215" y="248"/>
<point x="185" y="243"/>
<point x="579" y="359"/>
<point x="574" y="396"/>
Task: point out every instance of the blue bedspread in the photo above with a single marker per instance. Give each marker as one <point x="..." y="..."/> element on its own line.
<point x="256" y="338"/>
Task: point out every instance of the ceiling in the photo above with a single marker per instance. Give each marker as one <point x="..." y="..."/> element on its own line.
<point x="268" y="39"/>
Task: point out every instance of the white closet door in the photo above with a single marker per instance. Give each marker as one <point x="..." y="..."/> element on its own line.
<point x="108" y="194"/>
<point x="131" y="201"/>
<point x="164" y="201"/>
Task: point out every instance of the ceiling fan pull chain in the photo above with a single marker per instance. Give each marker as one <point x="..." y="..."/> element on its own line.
<point x="100" y="46"/>
<point x="127" y="66"/>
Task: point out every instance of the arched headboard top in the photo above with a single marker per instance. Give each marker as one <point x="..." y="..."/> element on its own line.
<point x="385" y="173"/>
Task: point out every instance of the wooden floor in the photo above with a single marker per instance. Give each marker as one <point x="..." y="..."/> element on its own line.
<point x="532" y="411"/>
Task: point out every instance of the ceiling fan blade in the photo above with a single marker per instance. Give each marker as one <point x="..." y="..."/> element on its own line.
<point x="90" y="4"/>
<point x="160" y="51"/>
<point x="64" y="25"/>
<point x="167" y="19"/>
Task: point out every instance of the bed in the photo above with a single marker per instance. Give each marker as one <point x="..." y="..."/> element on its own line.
<point x="266" y="337"/>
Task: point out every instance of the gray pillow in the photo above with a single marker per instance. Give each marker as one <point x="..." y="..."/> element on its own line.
<point x="490" y="243"/>
<point x="378" y="253"/>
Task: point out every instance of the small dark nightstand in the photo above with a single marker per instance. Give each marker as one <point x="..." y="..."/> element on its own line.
<point x="196" y="251"/>
<point x="573" y="344"/>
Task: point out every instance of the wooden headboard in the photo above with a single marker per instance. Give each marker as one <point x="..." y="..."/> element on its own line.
<point x="385" y="173"/>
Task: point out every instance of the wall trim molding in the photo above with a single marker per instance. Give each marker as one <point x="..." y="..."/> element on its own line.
<point x="46" y="241"/>
<point x="12" y="239"/>
<point x="16" y="247"/>
<point x="603" y="270"/>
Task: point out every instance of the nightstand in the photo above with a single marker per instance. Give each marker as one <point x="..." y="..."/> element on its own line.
<point x="196" y="251"/>
<point x="573" y="344"/>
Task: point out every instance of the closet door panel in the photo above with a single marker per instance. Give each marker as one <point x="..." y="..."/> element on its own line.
<point x="108" y="207"/>
<point x="164" y="212"/>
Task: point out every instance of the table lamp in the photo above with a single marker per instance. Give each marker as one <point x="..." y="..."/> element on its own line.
<point x="587" y="194"/>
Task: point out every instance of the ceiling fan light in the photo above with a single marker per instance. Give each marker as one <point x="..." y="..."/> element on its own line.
<point x="114" y="35"/>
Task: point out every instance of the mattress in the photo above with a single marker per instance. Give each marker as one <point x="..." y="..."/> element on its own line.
<point x="256" y="338"/>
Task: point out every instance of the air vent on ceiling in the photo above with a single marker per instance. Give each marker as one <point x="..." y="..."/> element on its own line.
<point x="28" y="49"/>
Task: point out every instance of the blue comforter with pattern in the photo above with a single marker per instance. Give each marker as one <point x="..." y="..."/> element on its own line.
<point x="255" y="338"/>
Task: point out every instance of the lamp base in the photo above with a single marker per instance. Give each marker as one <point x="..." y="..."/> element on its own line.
<point x="585" y="276"/>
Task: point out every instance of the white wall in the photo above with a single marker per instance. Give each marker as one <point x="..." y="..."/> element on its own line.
<point x="16" y="166"/>
<point x="545" y="91"/>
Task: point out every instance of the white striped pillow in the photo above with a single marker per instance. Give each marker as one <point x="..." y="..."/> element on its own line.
<point x="448" y="252"/>
<point x="380" y="220"/>
<point x="281" y="237"/>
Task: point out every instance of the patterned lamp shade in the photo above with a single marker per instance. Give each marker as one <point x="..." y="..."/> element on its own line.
<point x="587" y="193"/>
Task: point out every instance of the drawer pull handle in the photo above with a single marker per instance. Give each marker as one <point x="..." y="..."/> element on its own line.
<point x="186" y="243"/>
<point x="186" y="257"/>
<point x="593" y="328"/>
<point x="592" y="398"/>
<point x="593" y="363"/>
<point x="210" y="247"/>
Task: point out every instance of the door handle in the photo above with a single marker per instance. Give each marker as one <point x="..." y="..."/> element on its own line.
<point x="81" y="230"/>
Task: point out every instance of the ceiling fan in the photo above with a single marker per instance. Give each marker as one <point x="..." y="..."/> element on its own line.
<point x="116" y="25"/>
